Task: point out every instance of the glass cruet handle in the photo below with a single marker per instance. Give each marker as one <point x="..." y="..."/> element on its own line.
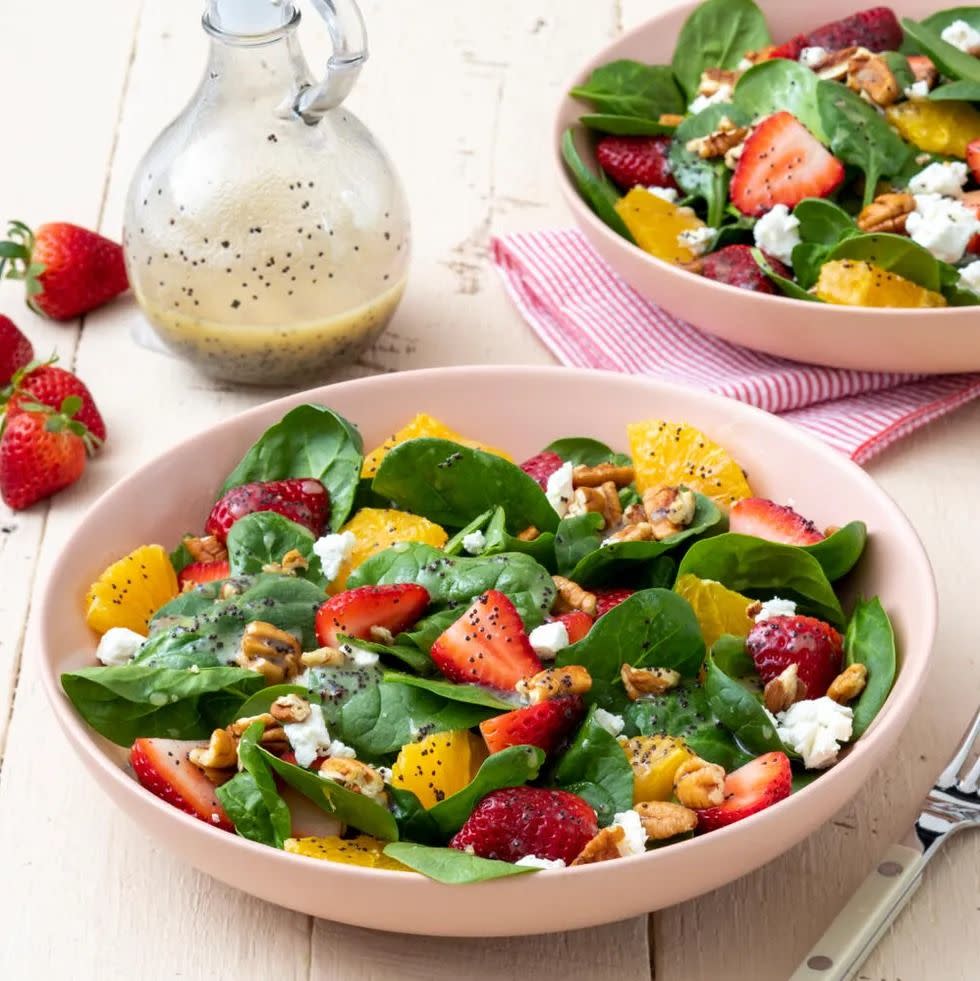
<point x="349" y="37"/>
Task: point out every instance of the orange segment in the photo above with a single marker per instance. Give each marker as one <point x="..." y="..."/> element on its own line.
<point x="655" y="760"/>
<point x="439" y="765"/>
<point x="655" y="224"/>
<point x="719" y="609"/>
<point x="131" y="590"/>
<point x="862" y="284"/>
<point x="944" y="127"/>
<point x="363" y="850"/>
<point x="422" y="425"/>
<point x="674" y="453"/>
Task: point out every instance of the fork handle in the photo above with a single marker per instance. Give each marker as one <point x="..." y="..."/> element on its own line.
<point x="861" y="923"/>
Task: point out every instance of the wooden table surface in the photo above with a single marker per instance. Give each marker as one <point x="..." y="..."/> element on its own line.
<point x="461" y="93"/>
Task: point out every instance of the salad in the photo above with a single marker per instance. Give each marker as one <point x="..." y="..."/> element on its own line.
<point x="430" y="658"/>
<point x="840" y="166"/>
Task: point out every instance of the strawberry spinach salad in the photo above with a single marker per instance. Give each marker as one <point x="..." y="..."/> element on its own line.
<point x="841" y="165"/>
<point x="430" y="658"/>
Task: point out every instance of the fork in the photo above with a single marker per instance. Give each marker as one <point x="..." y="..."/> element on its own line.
<point x="952" y="805"/>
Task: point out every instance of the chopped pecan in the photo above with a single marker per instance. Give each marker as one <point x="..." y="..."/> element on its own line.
<point x="604" y="846"/>
<point x="355" y="776"/>
<point x="240" y="725"/>
<point x="670" y="119"/>
<point x="887" y="213"/>
<point x="669" y="510"/>
<point x="835" y="66"/>
<point x="784" y="690"/>
<point x="529" y="534"/>
<point x="220" y="754"/>
<point x="555" y="682"/>
<point x="272" y="652"/>
<point x="206" y="549"/>
<point x="726" y="137"/>
<point x="848" y="684"/>
<point x="869" y="75"/>
<point x="596" y="476"/>
<point x="323" y="657"/>
<point x="641" y="531"/>
<point x="647" y="681"/>
<point x="571" y="596"/>
<point x="381" y="635"/>
<point x="699" y="784"/>
<point x="288" y="709"/>
<point x="634" y="514"/>
<point x="602" y="500"/>
<point x="714" y="79"/>
<point x="292" y="562"/>
<point x="662" y="819"/>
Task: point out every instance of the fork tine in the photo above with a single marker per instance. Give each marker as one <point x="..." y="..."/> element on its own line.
<point x="968" y="785"/>
<point x="951" y="774"/>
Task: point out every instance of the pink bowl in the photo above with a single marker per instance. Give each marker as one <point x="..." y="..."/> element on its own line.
<point x="521" y="409"/>
<point x="933" y="341"/>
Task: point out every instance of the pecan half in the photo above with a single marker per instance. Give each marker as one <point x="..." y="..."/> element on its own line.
<point x="647" y="681"/>
<point x="571" y="596"/>
<point x="272" y="652"/>
<point x="887" y="213"/>
<point x="662" y="819"/>
<point x="602" y="500"/>
<point x="355" y="776"/>
<point x="206" y="549"/>
<point x="699" y="784"/>
<point x="603" y="847"/>
<point x="221" y="753"/>
<point x="555" y="682"/>
<point x="848" y="684"/>
<point x="596" y="476"/>
<point x="288" y="709"/>
<point x="669" y="510"/>
<point x="641" y="531"/>
<point x="869" y="75"/>
<point x="717" y="144"/>
<point x="292" y="562"/>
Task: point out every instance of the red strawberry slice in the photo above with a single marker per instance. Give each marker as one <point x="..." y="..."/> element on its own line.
<point x="517" y="821"/>
<point x="759" y="784"/>
<point x="162" y="766"/>
<point x="577" y="624"/>
<point x="773" y="522"/>
<point x="15" y="350"/>
<point x="876" y="29"/>
<point x="487" y="645"/>
<point x="812" y="645"/>
<point x="354" y="612"/>
<point x="636" y="160"/>
<point x="973" y="158"/>
<point x="609" y="596"/>
<point x="545" y="725"/>
<point x="50" y="385"/>
<point x="200" y="572"/>
<point x="542" y="466"/>
<point x="790" y="49"/>
<point x="301" y="499"/>
<point x="972" y="200"/>
<point x="782" y="163"/>
<point x="735" y="266"/>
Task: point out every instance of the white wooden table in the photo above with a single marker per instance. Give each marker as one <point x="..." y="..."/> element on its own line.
<point x="461" y="92"/>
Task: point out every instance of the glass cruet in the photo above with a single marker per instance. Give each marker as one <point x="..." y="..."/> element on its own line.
<point x="266" y="232"/>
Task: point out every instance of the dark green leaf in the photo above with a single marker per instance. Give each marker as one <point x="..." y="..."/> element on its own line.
<point x="740" y="712"/>
<point x="597" y="797"/>
<point x="900" y="68"/>
<point x="576" y="537"/>
<point x="449" y="865"/>
<point x="823" y="222"/>
<point x="472" y="694"/>
<point x="629" y="88"/>
<point x="180" y="558"/>
<point x="870" y="641"/>
<point x="413" y="820"/>
<point x="786" y="286"/>
<point x="333" y="687"/>
<point x="244" y="803"/>
<point x="625" y="125"/>
<point x="541" y="549"/>
<point x="950" y="61"/>
<point x="730" y="654"/>
<point x="956" y="92"/>
<point x="839" y="553"/>
<point x="261" y="701"/>
<point x="263" y="538"/>
<point x="455" y="544"/>
<point x="780" y="85"/>
<point x="279" y="819"/>
<point x="598" y="193"/>
<point x="587" y="452"/>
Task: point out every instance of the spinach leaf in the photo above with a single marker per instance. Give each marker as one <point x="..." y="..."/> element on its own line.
<point x="449" y="484"/>
<point x="180" y="557"/>
<point x="584" y="451"/>
<point x="740" y="712"/>
<point x="449" y="865"/>
<point x="471" y="694"/>
<point x="455" y="544"/>
<point x="684" y="712"/>
<point x="576" y="537"/>
<point x="597" y="797"/>
<point x="263" y="538"/>
<point x="781" y="85"/>
<point x="403" y="649"/>
<point x="595" y="758"/>
<point x="413" y="820"/>
<point x="132" y="700"/>
<point x="603" y="122"/>
<point x="541" y="549"/>
<point x="661" y="573"/>
<point x="786" y="286"/>
<point x="956" y="92"/>
<point x="653" y="628"/>
<point x="334" y="687"/>
<point x="629" y="88"/>
<point x="900" y="68"/>
<point x="598" y="193"/>
<point x="707" y="179"/>
<point x="261" y="701"/>
<point x="808" y="259"/>
<point x="859" y="136"/>
<point x="511" y="767"/>
<point x="729" y="653"/>
<point x="352" y="809"/>
<point x="839" y="553"/>
<point x="380" y="720"/>
<point x="823" y="222"/>
<point x="941" y="19"/>
<point x="950" y="61"/>
<point x="764" y="569"/>
<point x="309" y="441"/>
<point x="718" y="34"/>
<point x="608" y="563"/>
<point x="870" y="641"/>
<point x="895" y="253"/>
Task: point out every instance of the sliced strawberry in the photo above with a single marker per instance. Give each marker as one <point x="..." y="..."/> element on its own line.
<point x="301" y="499"/>
<point x="356" y="611"/>
<point x="812" y="645"/>
<point x="773" y="522"/>
<point x="487" y="645"/>
<point x="876" y="29"/>
<point x="545" y="725"/>
<point x="200" y="572"/>
<point x="791" y="49"/>
<point x="609" y="596"/>
<point x="782" y="163"/>
<point x="517" y="821"/>
<point x="759" y="784"/>
<point x="973" y="158"/>
<point x="577" y="624"/>
<point x="735" y="266"/>
<point x="542" y="466"/>
<point x="636" y="160"/>
<point x="162" y="767"/>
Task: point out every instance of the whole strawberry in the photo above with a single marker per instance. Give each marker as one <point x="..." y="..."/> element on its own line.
<point x="68" y="270"/>
<point x="517" y="821"/>
<point x="300" y="499"/>
<point x="15" y="349"/>
<point x="47" y="384"/>
<point x="812" y="645"/>
<point x="636" y="160"/>
<point x="41" y="452"/>
<point x="542" y="466"/>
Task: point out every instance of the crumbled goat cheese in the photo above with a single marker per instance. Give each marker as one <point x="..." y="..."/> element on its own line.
<point x="668" y="194"/>
<point x="634" y="843"/>
<point x="944" y="226"/>
<point x="533" y="862"/>
<point x="612" y="723"/>
<point x="333" y="551"/>
<point x="961" y="35"/>
<point x="724" y="94"/>
<point x="940" y="178"/>
<point x="385" y="772"/>
<point x="815" y="728"/>
<point x="310" y="737"/>
<point x="745" y="64"/>
<point x="475" y="542"/>
<point x="776" y="607"/>
<point x="548" y="639"/>
<point x="118" y="646"/>
<point x="813" y="57"/>
<point x="777" y="233"/>
<point x="698" y="240"/>
<point x="361" y="657"/>
<point x="970" y="276"/>
<point x="560" y="490"/>
<point x="918" y="90"/>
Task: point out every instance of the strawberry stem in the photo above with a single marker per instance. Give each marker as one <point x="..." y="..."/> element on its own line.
<point x="15" y="260"/>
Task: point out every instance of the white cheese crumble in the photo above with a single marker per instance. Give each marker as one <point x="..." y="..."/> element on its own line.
<point x="813" y="57"/>
<point x="776" y="607"/>
<point x="724" y="94"/>
<point x="118" y="646"/>
<point x="942" y="225"/>
<point x="815" y="728"/>
<point x="548" y="639"/>
<point x="745" y="64"/>
<point x="970" y="276"/>
<point x="777" y="233"/>
<point x="961" y="35"/>
<point x="668" y="194"/>
<point x="560" y="490"/>
<point x="333" y="551"/>
<point x="612" y="723"/>
<point x="385" y="772"/>
<point x="475" y="542"/>
<point x="698" y="240"/>
<point x="533" y="862"/>
<point x="634" y="842"/>
<point x="918" y="90"/>
<point x="310" y="738"/>
<point x="361" y="657"/>
<point x="940" y="178"/>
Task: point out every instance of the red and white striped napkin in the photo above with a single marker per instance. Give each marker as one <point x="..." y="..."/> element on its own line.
<point x="589" y="317"/>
